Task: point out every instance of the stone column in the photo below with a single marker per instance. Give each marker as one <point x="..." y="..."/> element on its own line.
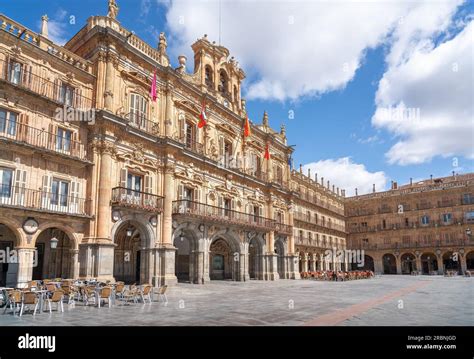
<point x="75" y="263"/>
<point x="166" y="273"/>
<point x="439" y="260"/>
<point x="104" y="192"/>
<point x="25" y="258"/>
<point x="321" y="262"/>
<point x="293" y="269"/>
<point x="399" y="264"/>
<point x="463" y="264"/>
<point x="378" y="264"/>
<point x="169" y="111"/>
<point x="305" y="262"/>
<point x="418" y="263"/>
<point x="110" y="79"/>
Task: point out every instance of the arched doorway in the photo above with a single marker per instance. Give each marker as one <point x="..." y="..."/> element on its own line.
<point x="408" y="263"/>
<point x="389" y="264"/>
<point x="8" y="271"/>
<point x="280" y="252"/>
<point x="429" y="263"/>
<point x="368" y="264"/>
<point x="451" y="261"/>
<point x="182" y="260"/>
<point x="223" y="261"/>
<point x="127" y="253"/>
<point x="470" y="260"/>
<point x="255" y="258"/>
<point x="54" y="262"/>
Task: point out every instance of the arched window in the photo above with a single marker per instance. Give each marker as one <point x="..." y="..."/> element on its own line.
<point x="223" y="82"/>
<point x="208" y="77"/>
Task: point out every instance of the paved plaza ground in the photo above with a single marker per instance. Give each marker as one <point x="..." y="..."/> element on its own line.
<point x="384" y="300"/>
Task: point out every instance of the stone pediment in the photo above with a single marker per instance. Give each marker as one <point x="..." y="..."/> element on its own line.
<point x="188" y="105"/>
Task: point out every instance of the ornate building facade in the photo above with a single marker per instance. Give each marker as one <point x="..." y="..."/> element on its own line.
<point x="101" y="180"/>
<point x="422" y="227"/>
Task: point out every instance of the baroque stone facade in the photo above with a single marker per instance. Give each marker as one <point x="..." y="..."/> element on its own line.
<point x="99" y="180"/>
<point x="422" y="227"/>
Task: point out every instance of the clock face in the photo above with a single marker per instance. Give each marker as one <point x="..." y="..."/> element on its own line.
<point x="226" y="103"/>
<point x="30" y="226"/>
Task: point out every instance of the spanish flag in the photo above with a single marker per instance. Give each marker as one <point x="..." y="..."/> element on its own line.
<point x="202" y="116"/>
<point x="247" y="131"/>
<point x="267" y="152"/>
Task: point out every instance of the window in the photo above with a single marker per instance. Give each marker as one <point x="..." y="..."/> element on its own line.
<point x="66" y="95"/>
<point x="406" y="222"/>
<point x="425" y="220"/>
<point x="384" y="224"/>
<point x="469" y="216"/>
<point x="8" y="122"/>
<point x="255" y="165"/>
<point x="15" y="73"/>
<point x="363" y="224"/>
<point x="189" y="132"/>
<point x="467" y="198"/>
<point x="228" y="149"/>
<point x="301" y="235"/>
<point x="63" y="140"/>
<point x="227" y="206"/>
<point x="6" y="177"/>
<point x="279" y="217"/>
<point x="256" y="213"/>
<point x="208" y="77"/>
<point x="223" y="83"/>
<point x="188" y="194"/>
<point x="138" y="110"/>
<point x="310" y="237"/>
<point x="365" y="240"/>
<point x="134" y="182"/>
<point x="59" y="192"/>
<point x="387" y="240"/>
<point x="406" y="239"/>
<point x="279" y="174"/>
<point x="308" y="216"/>
<point x="447" y="217"/>
<point x="323" y="219"/>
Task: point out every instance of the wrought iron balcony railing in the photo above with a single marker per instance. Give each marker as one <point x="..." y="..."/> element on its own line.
<point x="213" y="213"/>
<point x="18" y="132"/>
<point x="140" y="121"/>
<point x="17" y="76"/>
<point x="125" y="197"/>
<point x="311" y="220"/>
<point x="25" y="198"/>
<point x="409" y="225"/>
<point x="412" y="244"/>
<point x="283" y="228"/>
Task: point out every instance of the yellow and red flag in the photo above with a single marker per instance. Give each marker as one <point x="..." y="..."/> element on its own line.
<point x="247" y="131"/>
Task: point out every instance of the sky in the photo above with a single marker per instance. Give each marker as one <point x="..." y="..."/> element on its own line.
<point x="370" y="92"/>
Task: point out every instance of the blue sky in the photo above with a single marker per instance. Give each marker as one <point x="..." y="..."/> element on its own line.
<point x="332" y="82"/>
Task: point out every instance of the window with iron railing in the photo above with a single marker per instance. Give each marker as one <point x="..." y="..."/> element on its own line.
<point x="66" y="95"/>
<point x="8" y="122"/>
<point x="14" y="73"/>
<point x="138" y="110"/>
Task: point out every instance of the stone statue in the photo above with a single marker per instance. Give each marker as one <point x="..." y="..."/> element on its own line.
<point x="162" y="44"/>
<point x="113" y="9"/>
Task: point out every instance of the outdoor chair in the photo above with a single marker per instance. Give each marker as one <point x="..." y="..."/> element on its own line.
<point x="29" y="299"/>
<point x="162" y="293"/>
<point x="56" y="297"/>
<point x="105" y="295"/>
<point x="89" y="295"/>
<point x="130" y="294"/>
<point x="119" y="289"/>
<point x="14" y="300"/>
<point x="145" y="293"/>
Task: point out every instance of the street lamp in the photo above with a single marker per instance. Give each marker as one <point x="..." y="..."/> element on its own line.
<point x="54" y="243"/>
<point x="129" y="231"/>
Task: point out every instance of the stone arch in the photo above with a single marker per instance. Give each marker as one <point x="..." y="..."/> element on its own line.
<point x="15" y="228"/>
<point x="146" y="229"/>
<point x="224" y="255"/>
<point x="186" y="240"/>
<point x="209" y="76"/>
<point x="224" y="81"/>
<point x="256" y="251"/>
<point x="132" y="237"/>
<point x="282" y="256"/>
<point x="11" y="238"/>
<point x="61" y="226"/>
<point x="408" y="263"/>
<point x="429" y="263"/>
<point x="451" y="261"/>
<point x="389" y="263"/>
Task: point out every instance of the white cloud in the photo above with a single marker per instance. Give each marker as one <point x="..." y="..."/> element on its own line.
<point x="346" y="174"/>
<point x="296" y="48"/>
<point x="436" y="82"/>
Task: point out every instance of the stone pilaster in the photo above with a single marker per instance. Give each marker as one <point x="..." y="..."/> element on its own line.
<point x="24" y="273"/>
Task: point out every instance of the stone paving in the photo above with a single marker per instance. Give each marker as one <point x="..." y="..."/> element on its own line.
<point x="384" y="300"/>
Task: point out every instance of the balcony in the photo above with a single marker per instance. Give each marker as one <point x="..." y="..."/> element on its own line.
<point x="207" y="213"/>
<point x="24" y="198"/>
<point x="302" y="217"/>
<point x="414" y="245"/>
<point x="141" y="201"/>
<point x="409" y="225"/>
<point x="19" y="133"/>
<point x="42" y="86"/>
<point x="283" y="228"/>
<point x="141" y="122"/>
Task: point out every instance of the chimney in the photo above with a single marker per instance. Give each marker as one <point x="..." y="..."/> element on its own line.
<point x="301" y="168"/>
<point x="333" y="188"/>
<point x="338" y="191"/>
<point x="328" y="184"/>
<point x="44" y="26"/>
<point x="373" y="187"/>
<point x="431" y="178"/>
<point x="316" y="177"/>
<point x="391" y="186"/>
<point x="322" y="181"/>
